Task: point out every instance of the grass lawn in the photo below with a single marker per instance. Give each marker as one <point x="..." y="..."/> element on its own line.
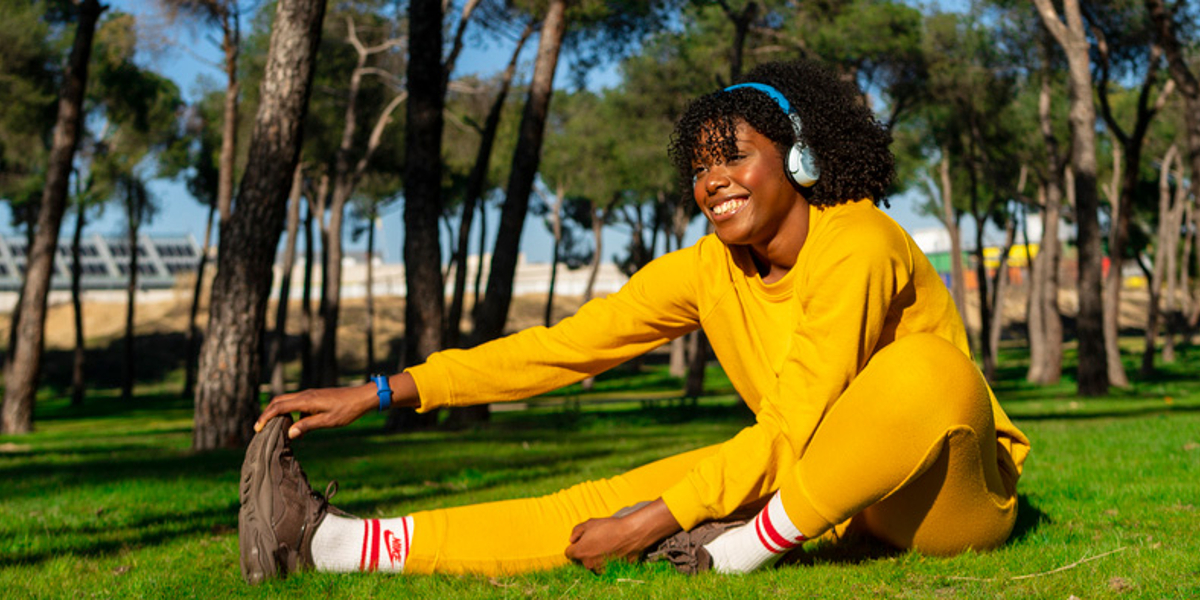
<point x="108" y="501"/>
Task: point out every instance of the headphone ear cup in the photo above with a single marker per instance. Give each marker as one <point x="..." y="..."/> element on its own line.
<point x="801" y="167"/>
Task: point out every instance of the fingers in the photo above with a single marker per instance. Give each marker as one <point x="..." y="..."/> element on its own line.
<point x="595" y="565"/>
<point x="299" y="427"/>
<point x="309" y="423"/>
<point x="274" y="409"/>
<point x="577" y="532"/>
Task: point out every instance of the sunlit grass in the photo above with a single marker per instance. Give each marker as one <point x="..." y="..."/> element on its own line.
<point x="109" y="500"/>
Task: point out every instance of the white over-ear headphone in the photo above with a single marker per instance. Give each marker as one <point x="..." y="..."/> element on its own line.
<point x="800" y="165"/>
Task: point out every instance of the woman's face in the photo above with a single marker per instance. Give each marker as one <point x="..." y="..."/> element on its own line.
<point x="748" y="196"/>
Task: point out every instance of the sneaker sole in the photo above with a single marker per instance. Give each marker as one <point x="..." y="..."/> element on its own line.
<point x="256" y="536"/>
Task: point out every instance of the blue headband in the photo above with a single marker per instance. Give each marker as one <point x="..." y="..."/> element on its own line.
<point x="775" y="94"/>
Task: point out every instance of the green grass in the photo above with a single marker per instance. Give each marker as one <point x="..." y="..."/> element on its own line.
<point x="108" y="500"/>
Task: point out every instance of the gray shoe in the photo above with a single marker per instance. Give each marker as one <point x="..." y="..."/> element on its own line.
<point x="280" y="511"/>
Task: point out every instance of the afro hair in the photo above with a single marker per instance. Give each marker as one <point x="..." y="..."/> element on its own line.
<point x="849" y="144"/>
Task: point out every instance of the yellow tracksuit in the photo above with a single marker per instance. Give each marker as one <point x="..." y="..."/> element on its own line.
<point x="855" y="363"/>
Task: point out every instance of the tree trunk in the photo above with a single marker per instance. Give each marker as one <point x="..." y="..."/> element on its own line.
<point x="230" y="45"/>
<point x="477" y="302"/>
<point x="556" y="230"/>
<point x="1177" y="267"/>
<point x="306" y="318"/>
<point x="29" y="323"/>
<point x="451" y="242"/>
<point x="494" y="313"/>
<point x="1168" y="233"/>
<point x="741" y="26"/>
<point x="981" y="278"/>
<point x="78" y="381"/>
<point x="425" y="302"/>
<point x="129" y="368"/>
<point x="1034" y="322"/>
<point x="1118" y="233"/>
<point x="315" y="331"/>
<point x="677" y="362"/>
<point x="1127" y="157"/>
<point x="227" y="397"/>
<point x="325" y="348"/>
<point x="985" y="312"/>
<point x="1048" y="368"/>
<point x="1185" y="80"/>
<point x="193" y="337"/>
<point x="1072" y="37"/>
<point x="999" y="283"/>
<point x="475" y="182"/>
<point x="370" y="324"/>
<point x="598" y="221"/>
<point x="958" y="286"/>
<point x="275" y="351"/>
<point x="345" y="179"/>
<point x="1167" y="34"/>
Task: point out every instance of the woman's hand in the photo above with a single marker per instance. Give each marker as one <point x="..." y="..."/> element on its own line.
<point x="597" y="541"/>
<point x="335" y="407"/>
<point x="326" y="407"/>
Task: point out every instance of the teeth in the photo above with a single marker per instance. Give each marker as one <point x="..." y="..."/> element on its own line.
<point x="728" y="206"/>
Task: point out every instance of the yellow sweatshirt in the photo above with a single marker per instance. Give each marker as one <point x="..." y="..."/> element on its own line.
<point x="790" y="347"/>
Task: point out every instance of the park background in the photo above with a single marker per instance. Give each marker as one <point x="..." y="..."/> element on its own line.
<point x="1046" y="160"/>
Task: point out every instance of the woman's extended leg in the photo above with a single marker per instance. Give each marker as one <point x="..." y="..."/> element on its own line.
<point x="910" y="450"/>
<point x="528" y="534"/>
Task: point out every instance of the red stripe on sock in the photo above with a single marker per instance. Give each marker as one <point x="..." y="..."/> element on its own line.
<point x="407" y="541"/>
<point x="762" y="539"/>
<point x="374" y="544"/>
<point x="782" y="542"/>
<point x="362" y="562"/>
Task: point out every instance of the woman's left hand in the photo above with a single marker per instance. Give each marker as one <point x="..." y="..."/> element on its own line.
<point x="597" y="541"/>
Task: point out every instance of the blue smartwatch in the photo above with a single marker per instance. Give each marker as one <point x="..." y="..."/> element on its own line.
<point x="383" y="390"/>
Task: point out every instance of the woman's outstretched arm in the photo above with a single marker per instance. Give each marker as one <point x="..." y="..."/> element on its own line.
<point x="338" y="406"/>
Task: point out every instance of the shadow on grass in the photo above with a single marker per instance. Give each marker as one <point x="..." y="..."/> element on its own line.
<point x="105" y="539"/>
<point x="858" y="546"/>
<point x="1029" y="519"/>
<point x="1118" y="413"/>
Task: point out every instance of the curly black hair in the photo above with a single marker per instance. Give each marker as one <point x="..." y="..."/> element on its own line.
<point x="849" y="144"/>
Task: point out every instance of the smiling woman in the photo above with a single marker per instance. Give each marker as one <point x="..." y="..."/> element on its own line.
<point x="830" y="323"/>
<point x="751" y="203"/>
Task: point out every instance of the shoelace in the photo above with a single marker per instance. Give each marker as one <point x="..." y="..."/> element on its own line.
<point x="331" y="488"/>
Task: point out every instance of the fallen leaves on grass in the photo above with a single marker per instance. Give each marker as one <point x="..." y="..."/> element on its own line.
<point x="1119" y="584"/>
<point x="1043" y="573"/>
<point x="500" y="584"/>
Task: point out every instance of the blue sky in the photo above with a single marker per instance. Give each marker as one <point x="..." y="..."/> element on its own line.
<point x="188" y="56"/>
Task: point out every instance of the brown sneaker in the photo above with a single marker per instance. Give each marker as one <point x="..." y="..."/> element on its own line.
<point x="280" y="511"/>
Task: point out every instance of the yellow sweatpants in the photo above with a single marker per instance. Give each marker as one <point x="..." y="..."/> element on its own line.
<point x="909" y="452"/>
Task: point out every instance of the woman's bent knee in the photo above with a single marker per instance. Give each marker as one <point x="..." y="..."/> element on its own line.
<point x="937" y="383"/>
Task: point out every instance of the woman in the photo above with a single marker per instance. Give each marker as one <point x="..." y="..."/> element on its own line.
<point x="829" y="321"/>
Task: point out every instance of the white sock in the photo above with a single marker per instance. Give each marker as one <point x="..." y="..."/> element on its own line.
<point x="347" y="545"/>
<point x="762" y="541"/>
